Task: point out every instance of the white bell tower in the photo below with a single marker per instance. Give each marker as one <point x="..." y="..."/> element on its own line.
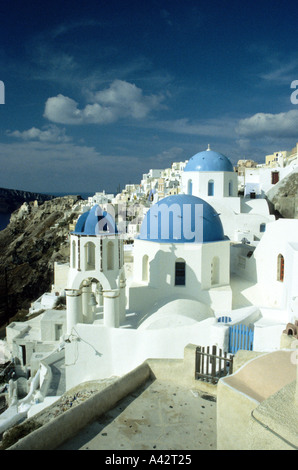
<point x="96" y="281"/>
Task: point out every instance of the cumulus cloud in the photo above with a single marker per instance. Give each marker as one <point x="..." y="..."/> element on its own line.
<point x="270" y="125"/>
<point x="120" y="100"/>
<point x="48" y="134"/>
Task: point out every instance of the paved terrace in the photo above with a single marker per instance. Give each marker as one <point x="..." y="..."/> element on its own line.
<point x="158" y="416"/>
<point x="157" y="406"/>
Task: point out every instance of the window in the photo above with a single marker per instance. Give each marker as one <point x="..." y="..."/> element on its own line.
<point x="280" y="268"/>
<point x="215" y="271"/>
<point x="58" y="331"/>
<point x="23" y="352"/>
<point x="110" y="256"/>
<point x="230" y="188"/>
<point x="262" y="228"/>
<point x="73" y="254"/>
<point x="89" y="256"/>
<point x="180" y="273"/>
<point x="210" y="188"/>
<point x="145" y="268"/>
<point x="189" y="187"/>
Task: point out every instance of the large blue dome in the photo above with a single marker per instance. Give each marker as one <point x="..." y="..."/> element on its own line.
<point x="209" y="161"/>
<point x="94" y="222"/>
<point x="182" y="219"/>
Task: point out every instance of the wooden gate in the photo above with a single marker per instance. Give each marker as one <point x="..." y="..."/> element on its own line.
<point x="240" y="337"/>
<point x="212" y="365"/>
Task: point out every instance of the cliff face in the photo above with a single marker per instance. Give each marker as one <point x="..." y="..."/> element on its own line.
<point x="283" y="197"/>
<point x="12" y="199"/>
<point x="33" y="240"/>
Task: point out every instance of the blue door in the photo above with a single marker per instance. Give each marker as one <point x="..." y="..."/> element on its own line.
<point x="240" y="337"/>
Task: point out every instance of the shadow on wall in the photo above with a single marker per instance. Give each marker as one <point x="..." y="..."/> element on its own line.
<point x="169" y="278"/>
<point x="173" y="275"/>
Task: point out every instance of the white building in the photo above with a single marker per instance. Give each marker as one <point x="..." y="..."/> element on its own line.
<point x="210" y="176"/>
<point x="180" y="238"/>
<point x="260" y="180"/>
<point x="189" y="269"/>
<point x="100" y="198"/>
<point x="172" y="293"/>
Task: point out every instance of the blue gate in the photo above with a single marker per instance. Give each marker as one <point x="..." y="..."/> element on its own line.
<point x="240" y="337"/>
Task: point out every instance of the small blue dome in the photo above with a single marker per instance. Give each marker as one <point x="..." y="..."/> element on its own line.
<point x="94" y="222"/>
<point x="209" y="161"/>
<point x="182" y="219"/>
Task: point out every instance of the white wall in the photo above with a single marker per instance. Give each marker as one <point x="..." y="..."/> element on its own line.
<point x="60" y="276"/>
<point x="161" y="283"/>
<point x="102" y="352"/>
<point x="78" y="273"/>
<point x="200" y="183"/>
<point x="261" y="177"/>
<point x="262" y="267"/>
<point x="241" y="218"/>
<point x="292" y="280"/>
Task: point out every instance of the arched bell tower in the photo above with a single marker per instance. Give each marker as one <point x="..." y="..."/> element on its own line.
<point x="96" y="259"/>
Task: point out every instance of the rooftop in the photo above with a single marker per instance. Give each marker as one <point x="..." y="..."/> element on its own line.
<point x="94" y="222"/>
<point x="209" y="160"/>
<point x="181" y="218"/>
<point x="158" y="416"/>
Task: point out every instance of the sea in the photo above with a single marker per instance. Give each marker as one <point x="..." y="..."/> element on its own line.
<point x="4" y="218"/>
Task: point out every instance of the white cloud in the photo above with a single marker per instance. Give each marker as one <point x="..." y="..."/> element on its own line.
<point x="48" y="134"/>
<point x="223" y="127"/>
<point x="270" y="125"/>
<point x="62" y="109"/>
<point x="120" y="100"/>
<point x="280" y="72"/>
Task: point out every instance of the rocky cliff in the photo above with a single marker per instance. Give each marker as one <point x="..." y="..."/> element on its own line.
<point x="283" y="197"/>
<point x="12" y="199"/>
<point x="35" y="238"/>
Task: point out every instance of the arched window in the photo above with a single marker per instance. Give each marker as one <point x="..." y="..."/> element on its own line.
<point x="210" y="188"/>
<point x="89" y="256"/>
<point x="262" y="228"/>
<point x="230" y="188"/>
<point x="110" y="256"/>
<point x="145" y="268"/>
<point x="180" y="272"/>
<point x="280" y="268"/>
<point x="73" y="248"/>
<point x="189" y="187"/>
<point x="215" y="271"/>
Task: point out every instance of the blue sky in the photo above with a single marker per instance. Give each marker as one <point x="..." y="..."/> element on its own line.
<point x="99" y="92"/>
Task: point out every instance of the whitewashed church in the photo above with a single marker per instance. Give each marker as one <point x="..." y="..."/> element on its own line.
<point x="200" y="255"/>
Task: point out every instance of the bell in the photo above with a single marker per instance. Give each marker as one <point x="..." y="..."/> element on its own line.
<point x="92" y="300"/>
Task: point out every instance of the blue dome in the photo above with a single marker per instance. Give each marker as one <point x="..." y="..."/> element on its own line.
<point x="94" y="222"/>
<point x="209" y="161"/>
<point x="182" y="219"/>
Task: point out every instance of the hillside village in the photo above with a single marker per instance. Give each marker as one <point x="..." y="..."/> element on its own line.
<point x="186" y="258"/>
